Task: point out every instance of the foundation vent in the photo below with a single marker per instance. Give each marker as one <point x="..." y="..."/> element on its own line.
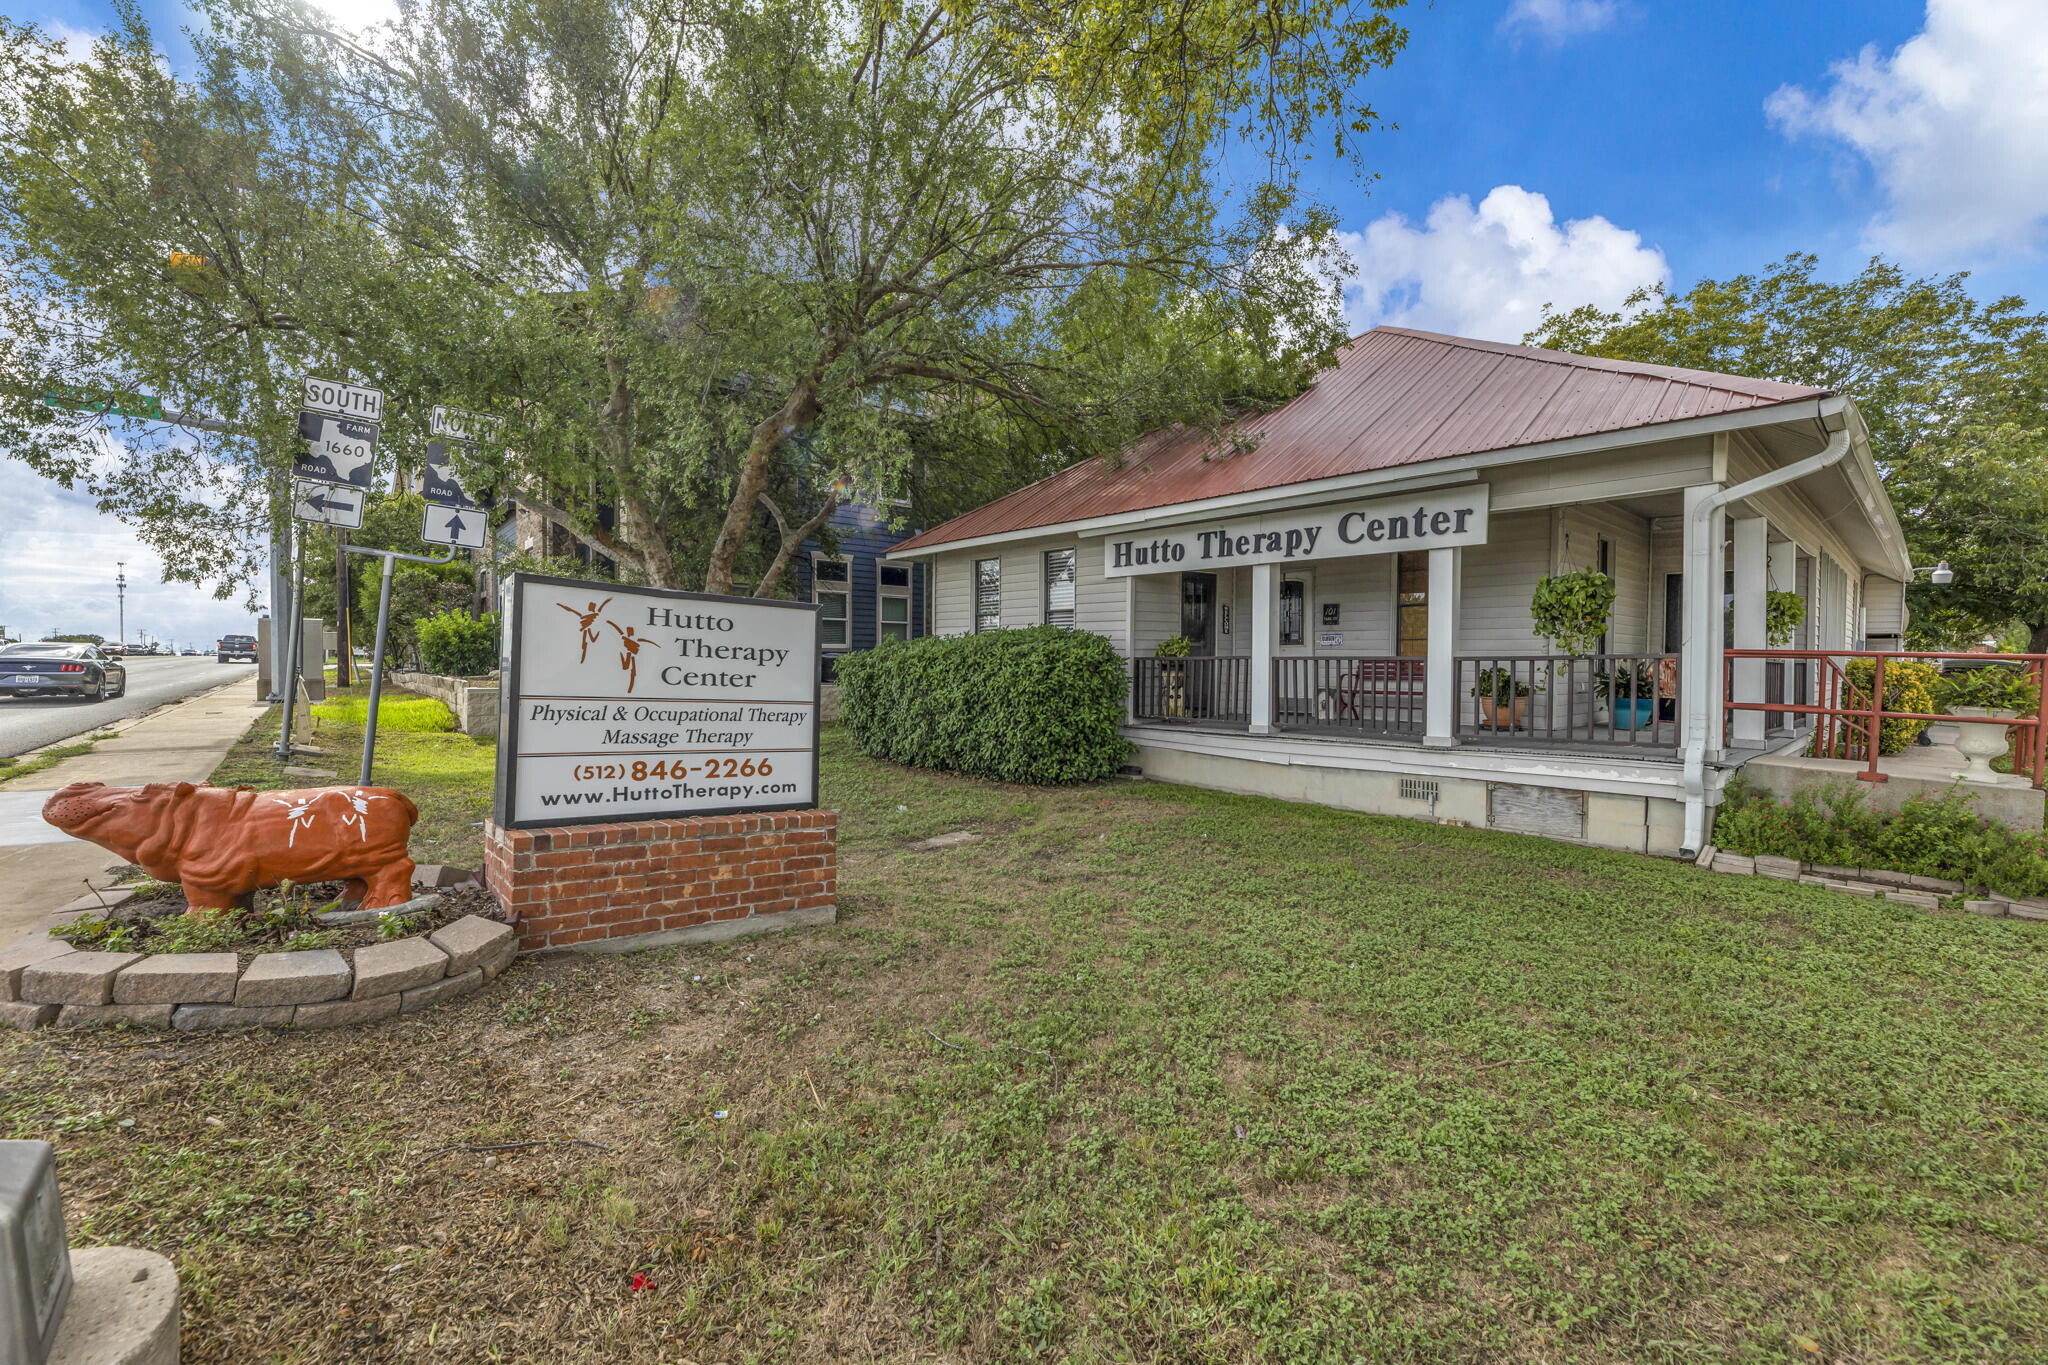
<point x="1419" y="789"/>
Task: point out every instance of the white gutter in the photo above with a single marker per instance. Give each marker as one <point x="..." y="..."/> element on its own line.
<point x="1703" y="571"/>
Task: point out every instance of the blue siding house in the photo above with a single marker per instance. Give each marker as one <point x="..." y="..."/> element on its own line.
<point x="862" y="600"/>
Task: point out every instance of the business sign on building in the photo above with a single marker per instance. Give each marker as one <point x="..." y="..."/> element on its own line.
<point x="642" y="704"/>
<point x="1420" y="521"/>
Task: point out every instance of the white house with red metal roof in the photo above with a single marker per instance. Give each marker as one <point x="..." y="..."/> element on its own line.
<point x="1352" y="574"/>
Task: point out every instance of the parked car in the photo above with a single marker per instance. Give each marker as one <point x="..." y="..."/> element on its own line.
<point x="51" y="669"/>
<point x="235" y="647"/>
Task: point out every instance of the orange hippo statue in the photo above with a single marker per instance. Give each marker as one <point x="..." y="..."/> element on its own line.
<point x="223" y="843"/>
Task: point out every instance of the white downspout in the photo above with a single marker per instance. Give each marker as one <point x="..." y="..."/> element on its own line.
<point x="1697" y="681"/>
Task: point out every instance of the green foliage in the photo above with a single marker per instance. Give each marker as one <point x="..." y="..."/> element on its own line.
<point x="1038" y="704"/>
<point x="1930" y="836"/>
<point x="1997" y="688"/>
<point x="74" y="639"/>
<point x="1784" y="613"/>
<point x="1630" y="680"/>
<point x="1173" y="647"/>
<point x="458" y="644"/>
<point x="1908" y="686"/>
<point x="420" y="715"/>
<point x="1500" y="686"/>
<point x="1571" y="610"/>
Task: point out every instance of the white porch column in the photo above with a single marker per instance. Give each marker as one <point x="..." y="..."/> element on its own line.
<point x="1752" y="542"/>
<point x="1440" y="674"/>
<point x="1699" y="669"/>
<point x="1265" y="610"/>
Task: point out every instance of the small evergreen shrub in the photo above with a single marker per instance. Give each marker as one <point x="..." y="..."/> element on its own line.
<point x="1039" y="704"/>
<point x="1908" y="686"/>
<point x="458" y="644"/>
<point x="1931" y="836"/>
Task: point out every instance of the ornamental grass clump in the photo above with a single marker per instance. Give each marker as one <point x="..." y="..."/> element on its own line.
<point x="1038" y="704"/>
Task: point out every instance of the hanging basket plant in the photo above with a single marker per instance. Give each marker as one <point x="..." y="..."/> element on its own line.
<point x="1571" y="610"/>
<point x="1784" y="613"/>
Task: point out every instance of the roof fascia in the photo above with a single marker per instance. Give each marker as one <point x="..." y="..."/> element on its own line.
<point x="1399" y="478"/>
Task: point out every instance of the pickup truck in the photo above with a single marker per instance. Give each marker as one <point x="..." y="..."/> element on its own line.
<point x="235" y="647"/>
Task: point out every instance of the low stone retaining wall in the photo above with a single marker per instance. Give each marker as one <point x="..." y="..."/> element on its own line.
<point x="45" y="982"/>
<point x="643" y="884"/>
<point x="1901" y="888"/>
<point x="473" y="700"/>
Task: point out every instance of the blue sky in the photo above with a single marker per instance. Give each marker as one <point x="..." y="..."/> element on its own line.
<point x="1550" y="151"/>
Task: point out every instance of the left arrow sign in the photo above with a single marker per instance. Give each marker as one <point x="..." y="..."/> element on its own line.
<point x="327" y="504"/>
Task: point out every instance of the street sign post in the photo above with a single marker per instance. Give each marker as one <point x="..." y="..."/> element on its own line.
<point x="327" y="504"/>
<point x="462" y="528"/>
<point x="390" y="558"/>
<point x="357" y="401"/>
<point x="338" y="450"/>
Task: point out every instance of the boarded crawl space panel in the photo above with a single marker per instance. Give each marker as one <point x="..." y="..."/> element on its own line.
<point x="1546" y="811"/>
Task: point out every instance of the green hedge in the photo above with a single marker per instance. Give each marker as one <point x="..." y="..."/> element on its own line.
<point x="458" y="644"/>
<point x="1933" y="836"/>
<point x="1039" y="705"/>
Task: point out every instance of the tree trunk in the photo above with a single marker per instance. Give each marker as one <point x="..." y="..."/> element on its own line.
<point x="801" y="407"/>
<point x="641" y="529"/>
<point x="792" y="541"/>
<point x="344" y="661"/>
<point x="2037" y="638"/>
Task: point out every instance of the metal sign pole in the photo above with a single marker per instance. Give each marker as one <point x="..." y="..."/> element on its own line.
<point x="288" y="680"/>
<point x="390" y="558"/>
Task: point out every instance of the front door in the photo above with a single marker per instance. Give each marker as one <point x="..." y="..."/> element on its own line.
<point x="1198" y="612"/>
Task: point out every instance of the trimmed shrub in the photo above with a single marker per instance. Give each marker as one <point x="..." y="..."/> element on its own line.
<point x="458" y="644"/>
<point x="1039" y="704"/>
<point x="1931" y="836"/>
<point x="1908" y="686"/>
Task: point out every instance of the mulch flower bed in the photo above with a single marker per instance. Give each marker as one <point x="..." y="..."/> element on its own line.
<point x="281" y="919"/>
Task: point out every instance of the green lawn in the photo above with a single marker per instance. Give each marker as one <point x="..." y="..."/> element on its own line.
<point x="1148" y="1074"/>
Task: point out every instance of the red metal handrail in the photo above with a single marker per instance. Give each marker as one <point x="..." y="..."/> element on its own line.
<point x="1841" y="706"/>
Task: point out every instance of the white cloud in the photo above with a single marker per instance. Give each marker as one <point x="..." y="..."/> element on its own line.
<point x="1556" y="20"/>
<point x="57" y="564"/>
<point x="1487" y="271"/>
<point x="1952" y="125"/>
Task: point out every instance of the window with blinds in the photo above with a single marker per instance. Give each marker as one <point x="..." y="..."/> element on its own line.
<point x="1411" y="605"/>
<point x="832" y="590"/>
<point x="1059" y="587"/>
<point x="988" y="594"/>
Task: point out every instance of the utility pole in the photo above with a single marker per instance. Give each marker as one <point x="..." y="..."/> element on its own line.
<point x="121" y="601"/>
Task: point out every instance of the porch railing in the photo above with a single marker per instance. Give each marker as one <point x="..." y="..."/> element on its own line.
<point x="1192" y="689"/>
<point x="1621" y="699"/>
<point x="1374" y="696"/>
<point x="1849" y="711"/>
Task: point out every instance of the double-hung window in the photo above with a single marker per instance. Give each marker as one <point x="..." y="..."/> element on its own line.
<point x="892" y="602"/>
<point x="988" y="595"/>
<point x="1059" y="588"/>
<point x="832" y="590"/>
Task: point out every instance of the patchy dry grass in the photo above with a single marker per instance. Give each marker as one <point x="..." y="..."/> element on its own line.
<point x="1148" y="1074"/>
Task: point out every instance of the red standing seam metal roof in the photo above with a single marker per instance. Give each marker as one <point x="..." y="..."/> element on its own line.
<point x="1395" y="397"/>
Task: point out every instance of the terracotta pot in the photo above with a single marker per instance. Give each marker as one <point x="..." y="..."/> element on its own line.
<point x="1502" y="715"/>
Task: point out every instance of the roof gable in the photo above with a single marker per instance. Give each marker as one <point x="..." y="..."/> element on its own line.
<point x="1394" y="397"/>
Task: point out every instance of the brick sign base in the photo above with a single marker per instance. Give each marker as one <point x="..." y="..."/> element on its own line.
<point x="642" y="884"/>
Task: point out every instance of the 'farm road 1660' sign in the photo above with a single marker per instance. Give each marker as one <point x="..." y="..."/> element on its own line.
<point x="640" y="704"/>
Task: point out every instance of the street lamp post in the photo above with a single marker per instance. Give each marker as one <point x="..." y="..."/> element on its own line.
<point x="121" y="601"/>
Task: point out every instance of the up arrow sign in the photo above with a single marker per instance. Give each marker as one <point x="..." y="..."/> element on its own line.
<point x="453" y="526"/>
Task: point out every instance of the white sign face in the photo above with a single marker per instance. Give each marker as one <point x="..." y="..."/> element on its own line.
<point x="338" y="450"/>
<point x="460" y="526"/>
<point x="1420" y="521"/>
<point x="637" y="704"/>
<point x="327" y="504"/>
<point x="343" y="400"/>
<point x="454" y="423"/>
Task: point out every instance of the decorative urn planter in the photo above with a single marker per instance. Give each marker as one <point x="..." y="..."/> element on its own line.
<point x="1981" y="743"/>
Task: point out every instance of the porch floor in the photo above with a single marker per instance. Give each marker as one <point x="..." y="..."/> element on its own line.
<point x="1498" y="742"/>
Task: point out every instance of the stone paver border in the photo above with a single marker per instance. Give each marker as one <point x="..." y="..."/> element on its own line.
<point x="46" y="982"/>
<point x="1900" y="888"/>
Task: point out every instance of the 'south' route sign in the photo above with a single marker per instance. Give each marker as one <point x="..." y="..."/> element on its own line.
<point x="644" y="704"/>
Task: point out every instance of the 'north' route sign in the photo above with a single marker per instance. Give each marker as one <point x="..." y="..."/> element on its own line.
<point x="359" y="401"/>
<point x="327" y="504"/>
<point x="463" y="527"/>
<point x="644" y="704"/>
<point x="337" y="450"/>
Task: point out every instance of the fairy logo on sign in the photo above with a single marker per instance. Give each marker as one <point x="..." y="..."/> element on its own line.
<point x="588" y="634"/>
<point x="586" y="625"/>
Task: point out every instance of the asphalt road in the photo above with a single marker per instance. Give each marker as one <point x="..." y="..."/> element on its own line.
<point x="31" y="722"/>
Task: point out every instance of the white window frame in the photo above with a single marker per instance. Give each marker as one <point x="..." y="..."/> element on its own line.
<point x="974" y="593"/>
<point x="1073" y="553"/>
<point x="907" y="593"/>
<point x="845" y="590"/>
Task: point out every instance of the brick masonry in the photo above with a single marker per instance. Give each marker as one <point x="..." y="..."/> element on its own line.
<point x="608" y="885"/>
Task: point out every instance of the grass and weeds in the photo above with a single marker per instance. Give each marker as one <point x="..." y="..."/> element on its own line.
<point x="43" y="759"/>
<point x="446" y="773"/>
<point x="1147" y="1074"/>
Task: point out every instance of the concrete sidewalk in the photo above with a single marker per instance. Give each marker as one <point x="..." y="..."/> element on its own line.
<point x="41" y="868"/>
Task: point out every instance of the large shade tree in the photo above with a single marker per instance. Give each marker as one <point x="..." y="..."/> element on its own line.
<point x="706" y="264"/>
<point x="1954" y="390"/>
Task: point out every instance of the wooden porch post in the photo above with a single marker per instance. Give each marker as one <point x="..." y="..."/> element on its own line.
<point x="1700" y="669"/>
<point x="1440" y="674"/>
<point x="1752" y="540"/>
<point x="1265" y="604"/>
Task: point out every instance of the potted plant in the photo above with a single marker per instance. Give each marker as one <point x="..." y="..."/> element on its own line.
<point x="1173" y="677"/>
<point x="1625" y="686"/>
<point x="1993" y="692"/>
<point x="1502" y="698"/>
<point x="1571" y="610"/>
<point x="1784" y="613"/>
